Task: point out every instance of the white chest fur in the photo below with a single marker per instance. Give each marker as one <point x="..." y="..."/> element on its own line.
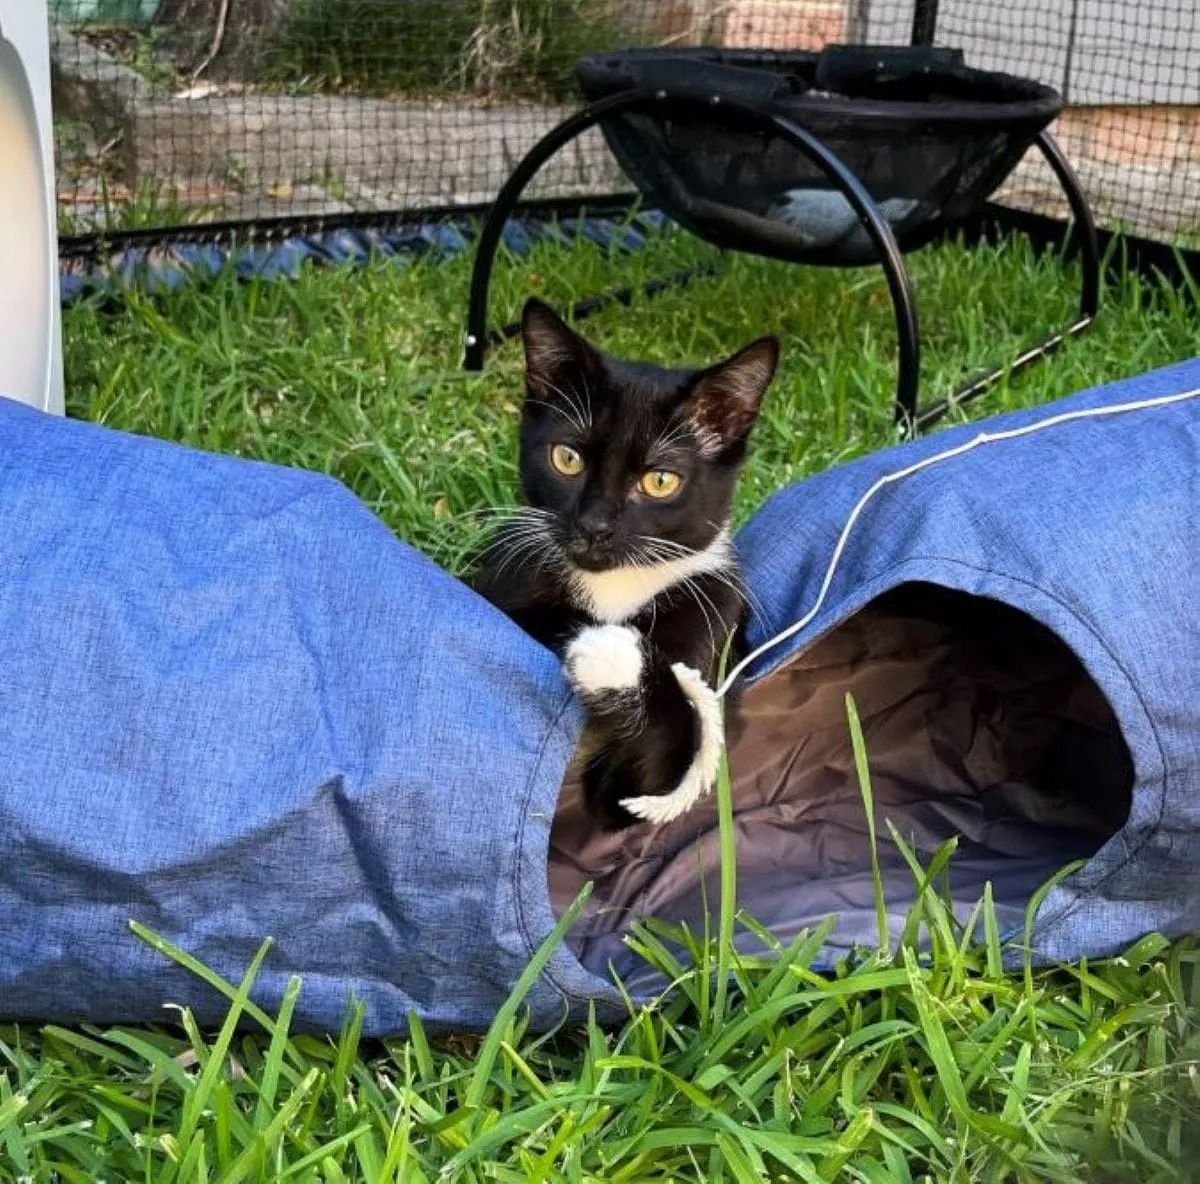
<point x="617" y="595"/>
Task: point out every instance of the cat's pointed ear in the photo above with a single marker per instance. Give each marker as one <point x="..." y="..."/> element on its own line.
<point x="552" y="348"/>
<point x="726" y="397"/>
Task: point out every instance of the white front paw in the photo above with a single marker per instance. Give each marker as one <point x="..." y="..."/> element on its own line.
<point x="604" y="660"/>
<point x="702" y="773"/>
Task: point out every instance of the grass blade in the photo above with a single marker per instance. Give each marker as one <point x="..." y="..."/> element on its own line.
<point x="728" y="849"/>
<point x="490" y="1049"/>
<point x="863" y="771"/>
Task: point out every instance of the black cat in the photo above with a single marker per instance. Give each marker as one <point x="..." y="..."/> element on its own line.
<point x="621" y="559"/>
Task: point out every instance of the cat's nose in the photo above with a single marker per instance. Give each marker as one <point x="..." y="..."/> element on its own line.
<point x="596" y="524"/>
<point x="601" y="532"/>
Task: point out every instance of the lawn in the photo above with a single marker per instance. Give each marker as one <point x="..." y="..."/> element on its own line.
<point x="898" y="1067"/>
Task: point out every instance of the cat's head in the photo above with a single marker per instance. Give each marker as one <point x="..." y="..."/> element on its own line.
<point x="635" y="463"/>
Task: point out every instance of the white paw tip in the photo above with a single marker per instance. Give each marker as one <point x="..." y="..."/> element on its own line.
<point x="665" y="807"/>
<point x="691" y="682"/>
<point x="604" y="658"/>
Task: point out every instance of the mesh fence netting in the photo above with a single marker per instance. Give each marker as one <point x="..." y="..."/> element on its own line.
<point x="172" y="113"/>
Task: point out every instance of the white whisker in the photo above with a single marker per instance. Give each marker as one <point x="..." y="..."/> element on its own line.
<point x="531" y="546"/>
<point x="509" y="541"/>
<point x="571" y="416"/>
<point x="744" y="594"/>
<point x="687" y="586"/>
<point x="530" y="539"/>
<point x="498" y="517"/>
<point x="666" y="549"/>
<point x="586" y="397"/>
<point x="668" y="545"/>
<point x="670" y="435"/>
<point x="510" y="530"/>
<point x="581" y="409"/>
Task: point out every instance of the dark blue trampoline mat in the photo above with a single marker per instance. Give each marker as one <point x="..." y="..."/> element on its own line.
<point x="169" y="267"/>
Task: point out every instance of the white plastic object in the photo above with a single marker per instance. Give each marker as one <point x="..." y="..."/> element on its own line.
<point x="30" y="341"/>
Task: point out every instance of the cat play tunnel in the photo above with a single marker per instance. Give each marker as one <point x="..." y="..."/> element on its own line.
<point x="233" y="705"/>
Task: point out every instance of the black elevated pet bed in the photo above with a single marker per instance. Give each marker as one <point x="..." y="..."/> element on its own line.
<point x="843" y="158"/>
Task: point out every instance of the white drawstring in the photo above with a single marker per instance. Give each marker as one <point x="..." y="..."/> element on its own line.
<point x="892" y="478"/>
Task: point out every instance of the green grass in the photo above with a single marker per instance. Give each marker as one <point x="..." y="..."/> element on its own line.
<point x="895" y="1068"/>
<point x="358" y="374"/>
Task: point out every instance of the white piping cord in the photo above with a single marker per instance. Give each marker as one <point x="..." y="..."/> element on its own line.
<point x="891" y="478"/>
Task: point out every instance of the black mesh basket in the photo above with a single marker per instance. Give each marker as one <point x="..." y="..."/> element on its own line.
<point x="929" y="137"/>
<point x="847" y="157"/>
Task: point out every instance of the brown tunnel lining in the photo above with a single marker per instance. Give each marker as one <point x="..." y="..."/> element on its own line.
<point x="979" y="722"/>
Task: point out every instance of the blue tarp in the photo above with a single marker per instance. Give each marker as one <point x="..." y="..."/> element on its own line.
<point x="233" y="705"/>
<point x="164" y="268"/>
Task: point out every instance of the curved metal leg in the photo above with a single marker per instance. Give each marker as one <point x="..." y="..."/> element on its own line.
<point x="502" y="208"/>
<point x="798" y="137"/>
<point x="1085" y="224"/>
<point x="890" y="259"/>
<point x="1089" y="297"/>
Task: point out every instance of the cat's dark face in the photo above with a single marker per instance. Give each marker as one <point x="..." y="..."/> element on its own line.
<point x="633" y="463"/>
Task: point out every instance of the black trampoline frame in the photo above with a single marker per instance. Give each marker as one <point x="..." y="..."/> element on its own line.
<point x="907" y="412"/>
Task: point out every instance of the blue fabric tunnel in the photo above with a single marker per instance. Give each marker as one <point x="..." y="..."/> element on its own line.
<point x="233" y="705"/>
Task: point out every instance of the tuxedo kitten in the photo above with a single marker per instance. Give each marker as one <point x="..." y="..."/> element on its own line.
<point x="621" y="559"/>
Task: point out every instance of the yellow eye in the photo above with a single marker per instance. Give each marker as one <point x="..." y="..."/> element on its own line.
<point x="566" y="460"/>
<point x="660" y="483"/>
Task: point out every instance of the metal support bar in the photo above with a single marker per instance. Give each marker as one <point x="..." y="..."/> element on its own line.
<point x="664" y="103"/>
<point x="926" y="417"/>
<point x="1086" y="237"/>
<point x="1088" y="245"/>
<point x="623" y="296"/>
<point x="924" y="26"/>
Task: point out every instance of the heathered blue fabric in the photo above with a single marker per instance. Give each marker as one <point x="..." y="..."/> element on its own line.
<point x="1091" y="527"/>
<point x="233" y="705"/>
